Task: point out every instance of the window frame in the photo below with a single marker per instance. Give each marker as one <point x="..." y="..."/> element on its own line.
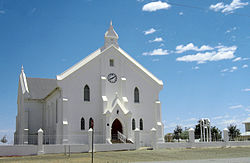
<point x="82" y="123"/>
<point x="136" y="95"/>
<point x="90" y="122"/>
<point x="111" y="63"/>
<point x="133" y="124"/>
<point x="141" y="124"/>
<point x="86" y="93"/>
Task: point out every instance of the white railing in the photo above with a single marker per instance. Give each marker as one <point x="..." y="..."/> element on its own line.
<point x="121" y="137"/>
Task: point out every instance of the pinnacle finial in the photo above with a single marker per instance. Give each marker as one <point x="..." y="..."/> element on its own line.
<point x="22" y="68"/>
<point x="111" y="23"/>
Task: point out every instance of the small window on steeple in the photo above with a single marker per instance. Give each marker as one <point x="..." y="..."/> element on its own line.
<point x="111" y="63"/>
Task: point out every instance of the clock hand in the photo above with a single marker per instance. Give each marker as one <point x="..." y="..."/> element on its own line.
<point x="112" y="78"/>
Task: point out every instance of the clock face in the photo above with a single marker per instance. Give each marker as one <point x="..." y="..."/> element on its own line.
<point x="112" y="78"/>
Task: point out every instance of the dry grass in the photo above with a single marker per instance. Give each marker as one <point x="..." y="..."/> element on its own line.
<point x="139" y="155"/>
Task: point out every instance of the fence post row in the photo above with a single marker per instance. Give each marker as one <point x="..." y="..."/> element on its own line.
<point x="40" y="147"/>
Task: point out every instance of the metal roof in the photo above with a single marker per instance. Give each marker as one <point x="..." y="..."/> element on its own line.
<point x="39" y="88"/>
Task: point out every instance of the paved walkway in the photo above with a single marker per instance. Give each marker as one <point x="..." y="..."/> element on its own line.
<point x="227" y="160"/>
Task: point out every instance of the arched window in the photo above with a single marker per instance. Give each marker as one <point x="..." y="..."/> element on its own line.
<point x="91" y="122"/>
<point x="86" y="93"/>
<point x="133" y="124"/>
<point x="82" y="124"/>
<point x="136" y="95"/>
<point x="141" y="124"/>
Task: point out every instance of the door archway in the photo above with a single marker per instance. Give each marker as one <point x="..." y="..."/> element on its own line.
<point x="116" y="126"/>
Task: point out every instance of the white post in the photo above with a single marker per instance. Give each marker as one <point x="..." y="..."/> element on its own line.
<point x="90" y="132"/>
<point x="154" y="138"/>
<point x="40" y="148"/>
<point x="204" y="133"/>
<point x="225" y="136"/>
<point x="191" y="135"/>
<point x="210" y="136"/>
<point x="137" y="138"/>
<point x="201" y="129"/>
<point x="207" y="133"/>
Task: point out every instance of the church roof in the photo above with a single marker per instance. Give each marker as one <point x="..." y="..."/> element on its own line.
<point x="97" y="53"/>
<point x="39" y="88"/>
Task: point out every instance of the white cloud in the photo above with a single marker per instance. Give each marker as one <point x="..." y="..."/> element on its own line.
<point x="190" y="46"/>
<point x="157" y="39"/>
<point x="196" y="68"/>
<point x="150" y="31"/>
<point x="156" y="60"/>
<point x="154" y="6"/>
<point x="236" y="107"/>
<point x="228" y="122"/>
<point x="192" y="119"/>
<point x="217" y="7"/>
<point x="228" y="8"/>
<point x="224" y="70"/>
<point x="244" y="59"/>
<point x="245" y="66"/>
<point x="181" y="13"/>
<point x="233" y="69"/>
<point x="237" y="59"/>
<point x="161" y="45"/>
<point x="222" y="53"/>
<point x="231" y="29"/>
<point x="218" y="117"/>
<point x="156" y="52"/>
<point x="246" y="90"/>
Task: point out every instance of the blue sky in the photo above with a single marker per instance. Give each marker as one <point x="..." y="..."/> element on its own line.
<point x="200" y="49"/>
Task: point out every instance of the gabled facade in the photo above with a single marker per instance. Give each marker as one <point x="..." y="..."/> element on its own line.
<point x="108" y="87"/>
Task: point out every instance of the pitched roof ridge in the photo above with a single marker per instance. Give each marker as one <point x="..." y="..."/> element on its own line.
<point x="40" y="78"/>
<point x="141" y="67"/>
<point x="78" y="64"/>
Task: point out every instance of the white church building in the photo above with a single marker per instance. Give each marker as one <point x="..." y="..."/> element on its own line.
<point x="108" y="88"/>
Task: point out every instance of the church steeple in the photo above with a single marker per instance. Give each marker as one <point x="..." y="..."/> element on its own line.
<point x="110" y="37"/>
<point x="23" y="82"/>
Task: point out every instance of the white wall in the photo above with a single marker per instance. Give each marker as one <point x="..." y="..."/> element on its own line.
<point x="203" y="144"/>
<point x="48" y="149"/>
<point x="113" y="147"/>
<point x="18" y="150"/>
<point x="35" y="110"/>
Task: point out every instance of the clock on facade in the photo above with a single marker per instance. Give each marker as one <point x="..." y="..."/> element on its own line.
<point x="112" y="78"/>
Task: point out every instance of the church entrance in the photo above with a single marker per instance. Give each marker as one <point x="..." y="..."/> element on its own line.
<point x="116" y="126"/>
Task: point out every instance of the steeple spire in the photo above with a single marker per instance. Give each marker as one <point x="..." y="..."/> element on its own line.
<point x="23" y="81"/>
<point x="110" y="37"/>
